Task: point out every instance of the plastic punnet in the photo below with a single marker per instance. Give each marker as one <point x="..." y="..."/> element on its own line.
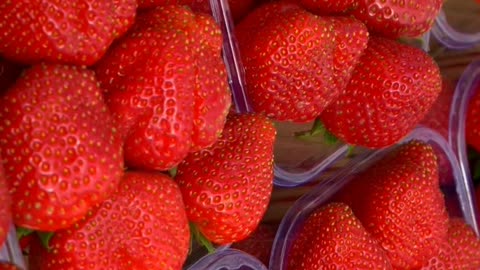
<point x="458" y="196"/>
<point x="464" y="91"/>
<point x="228" y="259"/>
<point x="11" y="252"/>
<point x="457" y="26"/>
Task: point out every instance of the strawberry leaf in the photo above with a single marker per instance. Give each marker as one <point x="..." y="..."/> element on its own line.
<point x="201" y="239"/>
<point x="45" y="238"/>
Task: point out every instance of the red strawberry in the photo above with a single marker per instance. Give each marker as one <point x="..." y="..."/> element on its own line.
<point x="288" y="55"/>
<point x="61" y="152"/>
<point x="73" y="32"/>
<point x="259" y="243"/>
<point x="5" y="207"/>
<point x="396" y="19"/>
<point x="391" y="90"/>
<point x="333" y="238"/>
<point x="325" y="7"/>
<point x="462" y="251"/>
<point x="8" y="266"/>
<point x="438" y="117"/>
<point x="472" y="125"/>
<point x="399" y="202"/>
<point x="167" y="86"/>
<point x="141" y="226"/>
<point x="227" y="187"/>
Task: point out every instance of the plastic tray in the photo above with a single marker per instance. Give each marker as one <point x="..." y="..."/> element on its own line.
<point x="10" y="252"/>
<point x="459" y="196"/>
<point x="458" y="24"/>
<point x="228" y="259"/>
<point x="464" y="91"/>
<point x="296" y="161"/>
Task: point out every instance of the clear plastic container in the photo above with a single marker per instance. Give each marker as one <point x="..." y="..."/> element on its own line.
<point x="228" y="259"/>
<point x="458" y="24"/>
<point x="11" y="252"/>
<point x="458" y="197"/>
<point x="465" y="89"/>
<point x="296" y="161"/>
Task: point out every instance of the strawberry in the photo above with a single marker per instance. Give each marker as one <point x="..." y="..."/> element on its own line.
<point x="328" y="7"/>
<point x="143" y="225"/>
<point x="461" y="251"/>
<point x="5" y="207"/>
<point x="8" y="266"/>
<point x="60" y="149"/>
<point x="69" y="32"/>
<point x="396" y="19"/>
<point x="472" y="130"/>
<point x="333" y="238"/>
<point x="438" y="117"/>
<point x="227" y="187"/>
<point x="288" y="54"/>
<point x="399" y="202"/>
<point x="259" y="243"/>
<point x="166" y="85"/>
<point x="391" y="90"/>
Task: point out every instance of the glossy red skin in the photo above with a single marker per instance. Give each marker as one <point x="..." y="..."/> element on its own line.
<point x="61" y="152"/>
<point x="60" y="31"/>
<point x="461" y="251"/>
<point x="5" y="207"/>
<point x="288" y="56"/>
<point x="391" y="89"/>
<point x="333" y="236"/>
<point x="143" y="225"/>
<point x="394" y="19"/>
<point x="472" y="130"/>
<point x="227" y="187"/>
<point x="8" y="266"/>
<point x="259" y="243"/>
<point x="399" y="202"/>
<point x="329" y="7"/>
<point x="157" y="90"/>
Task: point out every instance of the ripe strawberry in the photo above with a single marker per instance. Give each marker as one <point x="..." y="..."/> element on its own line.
<point x="227" y="187"/>
<point x="399" y="202"/>
<point x="5" y="207"/>
<point x="74" y="32"/>
<point x="461" y="251"/>
<point x="396" y="19"/>
<point x="167" y="86"/>
<point x="438" y="117"/>
<point x="288" y="55"/>
<point x="328" y="7"/>
<point x="333" y="238"/>
<point x="391" y="90"/>
<point x="259" y="243"/>
<point x="8" y="266"/>
<point x="143" y="225"/>
<point x="60" y="149"/>
<point x="472" y="125"/>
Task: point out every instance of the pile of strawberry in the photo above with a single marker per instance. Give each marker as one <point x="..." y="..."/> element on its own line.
<point x="116" y="141"/>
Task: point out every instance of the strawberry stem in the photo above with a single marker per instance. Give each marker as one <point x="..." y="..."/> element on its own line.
<point x="200" y="238"/>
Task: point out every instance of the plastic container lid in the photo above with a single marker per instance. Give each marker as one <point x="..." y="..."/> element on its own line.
<point x="458" y="24"/>
<point x="460" y="194"/>
<point x="228" y="259"/>
<point x="11" y="252"/>
<point x="464" y="91"/>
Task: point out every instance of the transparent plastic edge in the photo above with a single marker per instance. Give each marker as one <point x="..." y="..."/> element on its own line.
<point x="229" y="259"/>
<point x="464" y="90"/>
<point x="11" y="252"/>
<point x="451" y="38"/>
<point x="322" y="192"/>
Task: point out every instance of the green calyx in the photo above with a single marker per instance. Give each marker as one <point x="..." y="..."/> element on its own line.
<point x="318" y="129"/>
<point x="44" y="237"/>
<point x="196" y="235"/>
